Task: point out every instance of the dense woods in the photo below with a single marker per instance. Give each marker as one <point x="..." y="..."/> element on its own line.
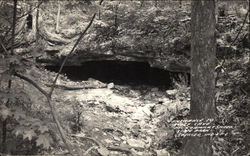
<point x="124" y="77"/>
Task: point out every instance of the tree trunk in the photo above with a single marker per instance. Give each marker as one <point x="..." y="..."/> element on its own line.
<point x="248" y="23"/>
<point x="37" y="22"/>
<point x="58" y="17"/>
<point x="4" y="126"/>
<point x="216" y="11"/>
<point x="203" y="56"/>
<point x="99" y="14"/>
<point x="203" y="53"/>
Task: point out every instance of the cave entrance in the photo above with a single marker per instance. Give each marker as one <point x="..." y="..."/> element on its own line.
<point x="119" y="72"/>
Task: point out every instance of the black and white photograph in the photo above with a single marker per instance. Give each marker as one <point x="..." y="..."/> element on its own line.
<point x="124" y="78"/>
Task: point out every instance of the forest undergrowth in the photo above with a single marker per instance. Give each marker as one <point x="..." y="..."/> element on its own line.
<point x="110" y="119"/>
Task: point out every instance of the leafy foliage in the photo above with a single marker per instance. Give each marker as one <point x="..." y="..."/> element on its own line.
<point x="149" y="28"/>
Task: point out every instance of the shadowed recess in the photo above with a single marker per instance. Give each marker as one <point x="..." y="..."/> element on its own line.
<point x="118" y="72"/>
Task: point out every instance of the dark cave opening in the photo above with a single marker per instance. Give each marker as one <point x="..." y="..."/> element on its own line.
<point x="119" y="72"/>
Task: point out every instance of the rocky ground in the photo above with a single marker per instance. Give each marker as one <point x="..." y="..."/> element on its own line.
<point x="111" y="119"/>
<point x="117" y="120"/>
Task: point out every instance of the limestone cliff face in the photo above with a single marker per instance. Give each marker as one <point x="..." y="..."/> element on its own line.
<point x="126" y="32"/>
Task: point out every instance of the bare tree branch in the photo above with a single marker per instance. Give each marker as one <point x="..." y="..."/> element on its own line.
<point x="4" y="48"/>
<point x="72" y="50"/>
<point x="59" y="127"/>
<point x="230" y="46"/>
<point x="33" y="83"/>
<point x="53" y="111"/>
<point x="48" y="96"/>
<point x="51" y="107"/>
<point x="245" y="19"/>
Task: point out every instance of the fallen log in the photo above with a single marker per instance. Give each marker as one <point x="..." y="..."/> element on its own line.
<point x="65" y="87"/>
